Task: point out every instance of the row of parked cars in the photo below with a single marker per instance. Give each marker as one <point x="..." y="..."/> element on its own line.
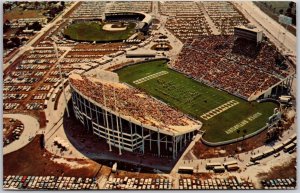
<point x="49" y="183"/>
<point x="284" y="183"/>
<point x="139" y="184"/>
<point x="232" y="183"/>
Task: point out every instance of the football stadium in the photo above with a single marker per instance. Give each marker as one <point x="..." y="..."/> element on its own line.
<point x="215" y="79"/>
<point x="149" y="95"/>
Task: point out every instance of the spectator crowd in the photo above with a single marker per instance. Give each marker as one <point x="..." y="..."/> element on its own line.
<point x="131" y="102"/>
<point x="236" y="66"/>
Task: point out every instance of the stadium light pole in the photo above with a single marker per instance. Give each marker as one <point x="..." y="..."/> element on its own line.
<point x="120" y="152"/>
<point x="106" y="118"/>
<point x="61" y="77"/>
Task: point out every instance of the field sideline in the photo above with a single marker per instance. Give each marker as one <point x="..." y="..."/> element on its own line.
<point x="196" y="99"/>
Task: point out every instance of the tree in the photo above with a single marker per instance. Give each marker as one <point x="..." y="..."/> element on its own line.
<point x="6" y="27"/>
<point x="36" y="26"/>
<point x="5" y="43"/>
<point x="16" y="41"/>
<point x="288" y="12"/>
<point x="281" y="11"/>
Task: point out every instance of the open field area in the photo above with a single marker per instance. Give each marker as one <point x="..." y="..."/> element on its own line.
<point x="18" y="13"/>
<point x="196" y="99"/>
<point x="93" y="32"/>
<point x="24" y="162"/>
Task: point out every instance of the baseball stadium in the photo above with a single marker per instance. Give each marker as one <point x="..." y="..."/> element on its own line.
<point x="112" y="27"/>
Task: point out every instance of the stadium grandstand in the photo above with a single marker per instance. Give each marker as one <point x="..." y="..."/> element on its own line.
<point x="145" y="20"/>
<point x="236" y="65"/>
<point x="129" y="119"/>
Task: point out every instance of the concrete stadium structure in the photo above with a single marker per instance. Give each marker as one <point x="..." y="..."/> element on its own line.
<point x="145" y="20"/>
<point x="125" y="131"/>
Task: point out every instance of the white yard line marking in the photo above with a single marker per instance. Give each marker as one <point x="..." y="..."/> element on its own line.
<point x="152" y="76"/>
<point x="210" y="114"/>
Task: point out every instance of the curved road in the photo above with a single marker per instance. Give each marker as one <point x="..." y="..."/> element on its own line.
<point x="31" y="127"/>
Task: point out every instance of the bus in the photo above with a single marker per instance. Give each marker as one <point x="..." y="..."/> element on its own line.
<point x="185" y="170"/>
<point x="285" y="99"/>
<point x="278" y="147"/>
<point x="226" y="164"/>
<point x="289" y="147"/>
<point x="268" y="152"/>
<point x="210" y="166"/>
<point x="219" y="169"/>
<point x="233" y="167"/>
<point x="256" y="157"/>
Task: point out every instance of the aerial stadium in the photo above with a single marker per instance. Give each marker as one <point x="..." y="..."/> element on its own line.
<point x="111" y="27"/>
<point x="149" y="95"/>
<point x="205" y="98"/>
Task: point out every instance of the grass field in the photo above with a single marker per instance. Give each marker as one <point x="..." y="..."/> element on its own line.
<point x="92" y="31"/>
<point x="195" y="99"/>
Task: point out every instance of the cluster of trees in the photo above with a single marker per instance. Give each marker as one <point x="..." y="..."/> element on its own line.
<point x="13" y="42"/>
<point x="6" y="26"/>
<point x="290" y="11"/>
<point x="55" y="8"/>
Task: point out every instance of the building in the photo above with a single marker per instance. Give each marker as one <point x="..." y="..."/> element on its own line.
<point x="128" y="119"/>
<point x="249" y="33"/>
<point x="141" y="53"/>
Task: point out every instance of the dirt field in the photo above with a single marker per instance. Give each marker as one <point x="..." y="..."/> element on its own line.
<point x="17" y="13"/>
<point x="201" y="150"/>
<point x="286" y="171"/>
<point x="25" y="162"/>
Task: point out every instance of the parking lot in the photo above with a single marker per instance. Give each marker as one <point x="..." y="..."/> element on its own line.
<point x="48" y="183"/>
<point x="12" y="129"/>
<point x="231" y="183"/>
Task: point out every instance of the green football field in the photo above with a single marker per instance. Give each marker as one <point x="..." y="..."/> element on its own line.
<point x="197" y="99"/>
<point x="92" y="31"/>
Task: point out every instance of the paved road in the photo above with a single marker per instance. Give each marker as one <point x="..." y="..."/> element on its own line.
<point x="31" y="127"/>
<point x="270" y="27"/>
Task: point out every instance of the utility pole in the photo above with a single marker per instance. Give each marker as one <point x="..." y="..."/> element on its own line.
<point x="61" y="77"/>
